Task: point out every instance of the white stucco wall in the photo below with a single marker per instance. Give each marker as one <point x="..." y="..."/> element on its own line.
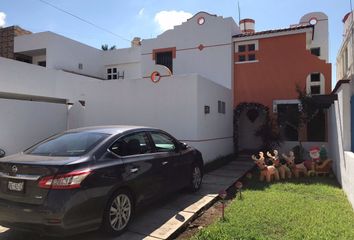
<point x="214" y="130"/>
<point x="39" y="58"/>
<point x="320" y="37"/>
<point x="24" y="123"/>
<point x="339" y="140"/>
<point x="343" y="161"/>
<point x="214" y="61"/>
<point x="344" y="112"/>
<point x="125" y="59"/>
<point x="62" y="52"/>
<point x="344" y="69"/>
<point x="175" y="103"/>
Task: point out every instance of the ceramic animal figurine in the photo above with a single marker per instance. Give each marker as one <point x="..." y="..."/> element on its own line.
<point x="267" y="172"/>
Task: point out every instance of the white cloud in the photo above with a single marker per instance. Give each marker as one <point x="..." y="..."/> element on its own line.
<point x="2" y="19"/>
<point x="168" y="19"/>
<point x="141" y="12"/>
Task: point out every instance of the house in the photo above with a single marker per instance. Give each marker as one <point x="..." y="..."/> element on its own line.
<point x="205" y="81"/>
<point x="268" y="65"/>
<point x="341" y="139"/>
<point x="7" y="37"/>
<point x="180" y="81"/>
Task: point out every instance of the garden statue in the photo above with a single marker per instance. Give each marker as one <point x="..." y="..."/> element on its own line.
<point x="283" y="170"/>
<point x="314" y="153"/>
<point x="295" y="168"/>
<point x="320" y="164"/>
<point x="266" y="171"/>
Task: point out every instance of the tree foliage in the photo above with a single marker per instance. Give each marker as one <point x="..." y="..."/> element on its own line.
<point x="105" y="47"/>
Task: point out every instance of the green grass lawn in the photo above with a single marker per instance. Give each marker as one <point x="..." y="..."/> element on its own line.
<point x="305" y="208"/>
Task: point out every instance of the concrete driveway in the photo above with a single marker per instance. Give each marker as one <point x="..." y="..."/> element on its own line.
<point x="163" y="219"/>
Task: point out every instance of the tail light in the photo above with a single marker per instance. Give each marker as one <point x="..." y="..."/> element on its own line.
<point x="69" y="180"/>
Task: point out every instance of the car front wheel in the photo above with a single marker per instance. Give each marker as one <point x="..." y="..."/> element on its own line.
<point x="196" y="178"/>
<point x="118" y="213"/>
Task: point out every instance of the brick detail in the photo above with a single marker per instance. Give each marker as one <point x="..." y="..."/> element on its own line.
<point x="7" y="37"/>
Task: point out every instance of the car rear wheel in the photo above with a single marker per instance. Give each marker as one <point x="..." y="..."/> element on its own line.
<point x="118" y="213"/>
<point x="196" y="177"/>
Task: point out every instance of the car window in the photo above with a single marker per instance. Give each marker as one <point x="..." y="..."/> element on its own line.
<point x="162" y="142"/>
<point x="136" y="143"/>
<point x="68" y="144"/>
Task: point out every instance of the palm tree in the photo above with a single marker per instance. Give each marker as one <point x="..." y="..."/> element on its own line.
<point x="105" y="47"/>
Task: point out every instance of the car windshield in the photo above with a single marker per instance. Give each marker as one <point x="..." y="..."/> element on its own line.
<point x="68" y="144"/>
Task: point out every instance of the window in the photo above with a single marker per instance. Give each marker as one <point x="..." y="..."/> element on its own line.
<point x="288" y="120"/>
<point x="315" y="84"/>
<point x="246" y="51"/>
<point x="113" y="73"/>
<point x="163" y="143"/>
<point x="316" y="128"/>
<point x="345" y="61"/>
<point x="133" y="144"/>
<point x="251" y="47"/>
<point x="206" y="109"/>
<point x="68" y="144"/>
<point x="221" y="107"/>
<point x="316" y="51"/>
<point x="315" y="77"/>
<point x="251" y="57"/>
<point x="165" y="59"/>
<point x="42" y="63"/>
<point x="241" y="58"/>
<point x="315" y="89"/>
<point x="241" y="48"/>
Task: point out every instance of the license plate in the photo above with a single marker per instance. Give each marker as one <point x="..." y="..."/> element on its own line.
<point x="16" y="186"/>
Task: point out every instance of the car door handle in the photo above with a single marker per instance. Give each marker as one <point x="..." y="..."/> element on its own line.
<point x="134" y="170"/>
<point x="164" y="163"/>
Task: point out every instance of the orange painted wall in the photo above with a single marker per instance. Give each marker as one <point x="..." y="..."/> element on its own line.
<point x="283" y="62"/>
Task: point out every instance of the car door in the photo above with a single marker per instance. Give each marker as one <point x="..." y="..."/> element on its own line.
<point x="168" y="150"/>
<point x="142" y="169"/>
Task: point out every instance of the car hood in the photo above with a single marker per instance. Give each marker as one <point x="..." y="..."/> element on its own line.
<point x="42" y="160"/>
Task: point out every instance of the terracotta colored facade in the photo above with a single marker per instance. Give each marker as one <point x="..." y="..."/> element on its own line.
<point x="281" y="63"/>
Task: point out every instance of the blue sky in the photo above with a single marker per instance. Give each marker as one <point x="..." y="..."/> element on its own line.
<point x="146" y="19"/>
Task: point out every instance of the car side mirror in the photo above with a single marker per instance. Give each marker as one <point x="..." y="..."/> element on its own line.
<point x="184" y="146"/>
<point x="2" y="153"/>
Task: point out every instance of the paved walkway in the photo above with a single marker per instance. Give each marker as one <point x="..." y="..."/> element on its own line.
<point x="164" y="219"/>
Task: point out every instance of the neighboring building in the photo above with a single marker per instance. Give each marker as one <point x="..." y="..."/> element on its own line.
<point x="190" y="97"/>
<point x="188" y="81"/>
<point x="341" y="139"/>
<point x="345" y="56"/>
<point x="269" y="65"/>
<point x="7" y="36"/>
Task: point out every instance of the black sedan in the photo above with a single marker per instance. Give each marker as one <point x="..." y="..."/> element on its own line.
<point x="91" y="178"/>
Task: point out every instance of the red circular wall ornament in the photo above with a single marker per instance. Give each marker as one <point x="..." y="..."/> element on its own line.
<point x="201" y="20"/>
<point x="155" y="76"/>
